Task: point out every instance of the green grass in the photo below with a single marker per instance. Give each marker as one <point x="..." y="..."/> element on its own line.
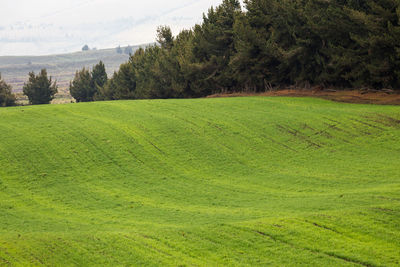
<point x="206" y="182"/>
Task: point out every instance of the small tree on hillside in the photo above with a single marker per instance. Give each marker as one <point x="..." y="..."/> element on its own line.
<point x="40" y="89"/>
<point x="7" y="98"/>
<point x="85" y="48"/>
<point x="80" y="88"/>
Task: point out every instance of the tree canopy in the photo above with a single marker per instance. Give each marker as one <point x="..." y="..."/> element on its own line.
<point x="40" y="89"/>
<point x="86" y="84"/>
<point x="7" y="98"/>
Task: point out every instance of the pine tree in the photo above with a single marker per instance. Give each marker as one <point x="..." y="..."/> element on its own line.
<point x="99" y="75"/>
<point x="40" y="89"/>
<point x="261" y="39"/>
<point x="81" y="87"/>
<point x="122" y="84"/>
<point x="382" y="58"/>
<point x="164" y="37"/>
<point x="213" y="47"/>
<point x="7" y="98"/>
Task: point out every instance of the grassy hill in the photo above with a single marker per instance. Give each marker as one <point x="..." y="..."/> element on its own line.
<point x="224" y="181"/>
<point x="15" y="69"/>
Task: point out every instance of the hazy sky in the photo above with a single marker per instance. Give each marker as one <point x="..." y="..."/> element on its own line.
<point x="57" y="26"/>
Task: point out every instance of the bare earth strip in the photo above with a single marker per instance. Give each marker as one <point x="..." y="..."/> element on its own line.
<point x="348" y="96"/>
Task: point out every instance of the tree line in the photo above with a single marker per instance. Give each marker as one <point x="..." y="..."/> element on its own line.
<point x="40" y="89"/>
<point x="266" y="44"/>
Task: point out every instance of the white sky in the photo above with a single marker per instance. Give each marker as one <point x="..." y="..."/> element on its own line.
<point x="41" y="27"/>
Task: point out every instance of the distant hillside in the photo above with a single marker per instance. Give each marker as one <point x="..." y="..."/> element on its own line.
<point x="15" y="69"/>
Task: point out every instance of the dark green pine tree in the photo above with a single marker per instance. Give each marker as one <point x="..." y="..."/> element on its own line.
<point x="40" y="89"/>
<point x="213" y="47"/>
<point x="330" y="30"/>
<point x="99" y="76"/>
<point x="362" y="40"/>
<point x="164" y="37"/>
<point x="7" y="98"/>
<point x="258" y="53"/>
<point x="122" y="84"/>
<point x="149" y="83"/>
<point x="81" y="87"/>
<point x="381" y="19"/>
<point x="180" y="65"/>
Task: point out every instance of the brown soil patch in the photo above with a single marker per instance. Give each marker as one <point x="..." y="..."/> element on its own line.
<point x="348" y="96"/>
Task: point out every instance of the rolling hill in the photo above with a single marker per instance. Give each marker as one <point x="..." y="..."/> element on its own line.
<point x="204" y="182"/>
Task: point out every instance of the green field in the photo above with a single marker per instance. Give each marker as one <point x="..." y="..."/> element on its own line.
<point x="205" y="182"/>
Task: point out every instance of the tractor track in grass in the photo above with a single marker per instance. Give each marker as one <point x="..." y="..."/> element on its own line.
<point x="317" y="251"/>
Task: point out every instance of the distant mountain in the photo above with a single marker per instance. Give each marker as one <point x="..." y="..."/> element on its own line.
<point x="15" y="69"/>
